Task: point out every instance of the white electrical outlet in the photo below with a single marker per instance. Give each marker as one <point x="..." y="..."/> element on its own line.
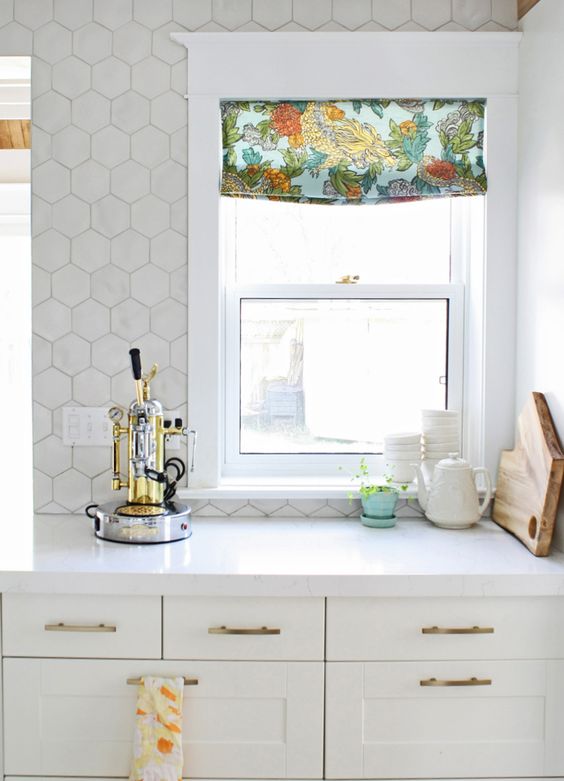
<point x="86" y="426"/>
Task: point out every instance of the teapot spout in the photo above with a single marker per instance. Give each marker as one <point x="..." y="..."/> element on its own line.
<point x="422" y="491"/>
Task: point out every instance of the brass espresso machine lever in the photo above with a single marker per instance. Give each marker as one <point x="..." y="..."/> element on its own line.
<point x="150" y="513"/>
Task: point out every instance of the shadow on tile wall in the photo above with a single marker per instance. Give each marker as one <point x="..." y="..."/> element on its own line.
<point x="109" y="193"/>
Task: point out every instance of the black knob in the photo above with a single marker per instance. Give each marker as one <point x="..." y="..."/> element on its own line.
<point x="178" y="422"/>
<point x="135" y="363"/>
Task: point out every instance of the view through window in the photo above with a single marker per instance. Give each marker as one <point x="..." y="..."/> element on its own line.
<point x="326" y="367"/>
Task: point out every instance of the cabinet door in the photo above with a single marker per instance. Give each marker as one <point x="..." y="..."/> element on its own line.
<point x="72" y="717"/>
<point x="382" y="723"/>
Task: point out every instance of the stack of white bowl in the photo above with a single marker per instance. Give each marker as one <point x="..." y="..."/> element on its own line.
<point x="400" y="452"/>
<point x="441" y="435"/>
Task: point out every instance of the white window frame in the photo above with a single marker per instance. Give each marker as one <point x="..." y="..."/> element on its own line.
<point x="292" y="465"/>
<point x="322" y="65"/>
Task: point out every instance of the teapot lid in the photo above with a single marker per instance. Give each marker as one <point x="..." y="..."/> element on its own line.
<point x="453" y="462"/>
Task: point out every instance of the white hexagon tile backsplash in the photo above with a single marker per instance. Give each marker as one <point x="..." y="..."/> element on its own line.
<point x="109" y="199"/>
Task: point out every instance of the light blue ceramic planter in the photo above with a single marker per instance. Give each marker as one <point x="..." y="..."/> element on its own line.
<point x="378" y="523"/>
<point x="381" y="504"/>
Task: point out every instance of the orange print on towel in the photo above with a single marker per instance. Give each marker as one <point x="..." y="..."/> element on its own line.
<point x="165" y="746"/>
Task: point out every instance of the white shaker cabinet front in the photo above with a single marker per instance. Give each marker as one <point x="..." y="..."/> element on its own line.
<point x="74" y="717"/>
<point x="450" y="719"/>
<point x="403" y="688"/>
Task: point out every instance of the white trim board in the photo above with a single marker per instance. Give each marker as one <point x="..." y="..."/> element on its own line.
<point x="325" y="65"/>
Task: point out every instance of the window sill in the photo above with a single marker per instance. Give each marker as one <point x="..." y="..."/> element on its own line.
<point x="279" y="489"/>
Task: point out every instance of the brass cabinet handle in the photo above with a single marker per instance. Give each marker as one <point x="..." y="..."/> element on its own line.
<point x="139" y="681"/>
<point x="463" y="682"/>
<point x="232" y="630"/>
<point x="457" y="630"/>
<point x="80" y="628"/>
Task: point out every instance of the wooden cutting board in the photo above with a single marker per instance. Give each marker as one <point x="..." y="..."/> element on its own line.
<point x="530" y="479"/>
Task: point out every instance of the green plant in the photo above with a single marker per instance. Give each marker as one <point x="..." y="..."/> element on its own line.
<point x="368" y="486"/>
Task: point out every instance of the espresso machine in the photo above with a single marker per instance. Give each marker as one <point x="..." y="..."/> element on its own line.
<point x="150" y="514"/>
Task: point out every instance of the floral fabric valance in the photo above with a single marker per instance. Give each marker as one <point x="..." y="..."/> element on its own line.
<point x="353" y="151"/>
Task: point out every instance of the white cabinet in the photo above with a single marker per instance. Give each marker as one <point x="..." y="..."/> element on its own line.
<point x="230" y="628"/>
<point x="399" y="688"/>
<point x="445" y="628"/>
<point x="70" y="717"/>
<point x="444" y="688"/>
<point x="111" y="627"/>
<point x="382" y="723"/>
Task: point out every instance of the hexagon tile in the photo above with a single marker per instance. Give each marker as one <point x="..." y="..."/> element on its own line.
<point x="109" y="199"/>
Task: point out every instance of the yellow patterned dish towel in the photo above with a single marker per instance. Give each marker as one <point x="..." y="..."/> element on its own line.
<point x="157" y="743"/>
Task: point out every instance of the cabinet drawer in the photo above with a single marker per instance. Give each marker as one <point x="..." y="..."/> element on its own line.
<point x="445" y="628"/>
<point x="382" y="723"/>
<point x="81" y="626"/>
<point x="231" y="628"/>
<point x="73" y="717"/>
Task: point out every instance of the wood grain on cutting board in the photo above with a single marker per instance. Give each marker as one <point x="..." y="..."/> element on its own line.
<point x="530" y="479"/>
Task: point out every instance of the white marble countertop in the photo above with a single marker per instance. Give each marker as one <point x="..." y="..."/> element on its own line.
<point x="267" y="557"/>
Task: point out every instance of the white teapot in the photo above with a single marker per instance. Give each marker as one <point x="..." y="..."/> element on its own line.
<point x="452" y="500"/>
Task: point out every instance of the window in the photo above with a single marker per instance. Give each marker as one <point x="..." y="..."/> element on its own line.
<point x="318" y="371"/>
<point x="327" y="64"/>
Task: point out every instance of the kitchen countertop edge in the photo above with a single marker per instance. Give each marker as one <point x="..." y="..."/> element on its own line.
<point x="282" y="557"/>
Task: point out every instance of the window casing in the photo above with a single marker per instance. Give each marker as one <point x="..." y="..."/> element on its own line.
<point x="255" y="65"/>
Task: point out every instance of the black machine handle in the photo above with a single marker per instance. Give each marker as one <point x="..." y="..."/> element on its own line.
<point x="135" y="363"/>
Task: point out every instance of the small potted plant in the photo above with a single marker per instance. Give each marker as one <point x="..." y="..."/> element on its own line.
<point x="378" y="499"/>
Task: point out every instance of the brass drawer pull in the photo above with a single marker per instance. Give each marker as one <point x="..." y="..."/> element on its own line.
<point x="139" y="681"/>
<point x="456" y="630"/>
<point x="232" y="630"/>
<point x="80" y="628"/>
<point x="463" y="682"/>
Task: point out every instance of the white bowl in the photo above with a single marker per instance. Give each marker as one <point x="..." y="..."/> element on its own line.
<point x="440" y="413"/>
<point x="409" y="446"/>
<point x="442" y="447"/>
<point x="402" y="439"/>
<point x="436" y="439"/>
<point x="443" y="423"/>
<point x="402" y="455"/>
<point x="436" y="456"/>
<point x="446" y="432"/>
<point x="442" y="436"/>
<point x="402" y="472"/>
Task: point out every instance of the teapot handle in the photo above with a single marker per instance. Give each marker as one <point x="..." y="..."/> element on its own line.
<point x="485" y="501"/>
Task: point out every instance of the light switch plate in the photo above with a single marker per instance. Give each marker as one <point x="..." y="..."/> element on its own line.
<point x="90" y="426"/>
<point x="86" y="426"/>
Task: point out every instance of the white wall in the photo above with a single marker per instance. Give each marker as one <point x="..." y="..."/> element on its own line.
<point x="540" y="307"/>
<point x="15" y="346"/>
<point x="108" y="181"/>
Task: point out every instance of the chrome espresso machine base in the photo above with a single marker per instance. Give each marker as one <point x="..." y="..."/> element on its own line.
<point x="130" y="523"/>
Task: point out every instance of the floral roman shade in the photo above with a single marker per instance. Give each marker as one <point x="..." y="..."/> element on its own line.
<point x="353" y="151"/>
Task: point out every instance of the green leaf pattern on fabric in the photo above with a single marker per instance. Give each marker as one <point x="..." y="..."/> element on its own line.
<point x="353" y="151"/>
